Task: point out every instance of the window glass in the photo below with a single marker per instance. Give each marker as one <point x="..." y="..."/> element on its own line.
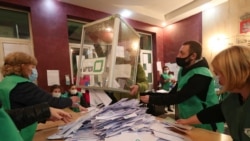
<point x="146" y="58"/>
<point x="14" y="24"/>
<point x="75" y="31"/>
<point x="145" y="41"/>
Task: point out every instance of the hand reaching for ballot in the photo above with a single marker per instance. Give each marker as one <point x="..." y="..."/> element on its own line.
<point x="144" y="98"/>
<point x="82" y="109"/>
<point x="134" y="89"/>
<point x="58" y="114"/>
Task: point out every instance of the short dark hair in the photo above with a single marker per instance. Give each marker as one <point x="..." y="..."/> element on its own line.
<point x="194" y="47"/>
<point x="165" y="67"/>
<point x="55" y="86"/>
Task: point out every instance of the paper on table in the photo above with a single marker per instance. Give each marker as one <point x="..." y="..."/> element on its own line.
<point x="133" y="136"/>
<point x="169" y="137"/>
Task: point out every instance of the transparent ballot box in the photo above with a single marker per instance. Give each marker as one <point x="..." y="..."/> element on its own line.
<point x="108" y="55"/>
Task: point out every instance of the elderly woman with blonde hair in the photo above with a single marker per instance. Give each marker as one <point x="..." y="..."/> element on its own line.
<point x="232" y="68"/>
<point x="18" y="91"/>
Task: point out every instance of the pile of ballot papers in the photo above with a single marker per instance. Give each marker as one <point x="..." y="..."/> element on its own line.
<point x="124" y="121"/>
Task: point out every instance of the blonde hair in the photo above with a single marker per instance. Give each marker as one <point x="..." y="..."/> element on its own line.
<point x="234" y="64"/>
<point x="13" y="62"/>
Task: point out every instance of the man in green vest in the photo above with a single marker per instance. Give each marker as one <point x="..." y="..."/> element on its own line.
<point x="195" y="89"/>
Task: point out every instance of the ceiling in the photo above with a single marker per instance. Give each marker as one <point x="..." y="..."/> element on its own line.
<point x="154" y="12"/>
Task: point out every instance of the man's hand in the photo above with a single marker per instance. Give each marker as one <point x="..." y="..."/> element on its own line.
<point x="144" y="99"/>
<point x="134" y="89"/>
<point x="58" y="114"/>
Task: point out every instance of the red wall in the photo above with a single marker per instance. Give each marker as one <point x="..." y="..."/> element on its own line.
<point x="178" y="33"/>
<point x="50" y="37"/>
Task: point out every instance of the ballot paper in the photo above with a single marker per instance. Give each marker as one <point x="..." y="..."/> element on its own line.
<point x="133" y="136"/>
<point x="122" y="121"/>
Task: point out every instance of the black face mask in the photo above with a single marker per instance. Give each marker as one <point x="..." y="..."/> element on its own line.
<point x="182" y="61"/>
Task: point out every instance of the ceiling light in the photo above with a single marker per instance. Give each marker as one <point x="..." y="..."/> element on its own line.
<point x="163" y="24"/>
<point x="126" y="13"/>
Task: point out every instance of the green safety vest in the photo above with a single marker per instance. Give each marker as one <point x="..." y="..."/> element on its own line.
<point x="237" y="117"/>
<point x="193" y="105"/>
<point x="8" y="130"/>
<point x="166" y="85"/>
<point x="67" y="95"/>
<point x="6" y="85"/>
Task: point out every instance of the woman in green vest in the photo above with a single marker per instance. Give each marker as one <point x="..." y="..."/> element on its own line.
<point x="17" y="89"/>
<point x="232" y="68"/>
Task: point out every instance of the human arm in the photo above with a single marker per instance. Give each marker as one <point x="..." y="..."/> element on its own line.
<point x="58" y="114"/>
<point x="81" y="108"/>
<point x="192" y="87"/>
<point x="204" y="116"/>
<point x="164" y="80"/>
<point x="23" y="117"/>
<point x="27" y="94"/>
<point x="141" y="82"/>
<point x="189" y="121"/>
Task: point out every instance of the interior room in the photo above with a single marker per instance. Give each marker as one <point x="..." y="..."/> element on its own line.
<point x="51" y="30"/>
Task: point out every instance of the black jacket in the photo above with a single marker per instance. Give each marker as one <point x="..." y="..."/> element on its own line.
<point x="196" y="85"/>
<point x="23" y="117"/>
<point x="28" y="94"/>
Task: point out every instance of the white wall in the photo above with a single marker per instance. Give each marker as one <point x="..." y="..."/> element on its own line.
<point x="221" y="24"/>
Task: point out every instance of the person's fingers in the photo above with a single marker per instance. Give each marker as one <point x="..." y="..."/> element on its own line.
<point x="58" y="114"/>
<point x="66" y="119"/>
<point x="65" y="114"/>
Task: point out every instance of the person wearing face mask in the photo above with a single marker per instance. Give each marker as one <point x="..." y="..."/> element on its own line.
<point x="81" y="104"/>
<point x="166" y="81"/>
<point x="195" y="88"/>
<point x="56" y="90"/>
<point x="18" y="90"/>
<point x="231" y="66"/>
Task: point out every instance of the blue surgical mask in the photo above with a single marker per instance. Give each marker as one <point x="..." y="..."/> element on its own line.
<point x="33" y="76"/>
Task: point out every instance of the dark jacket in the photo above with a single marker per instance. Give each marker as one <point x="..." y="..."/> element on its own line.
<point x="27" y="94"/>
<point x="23" y="117"/>
<point x="193" y="87"/>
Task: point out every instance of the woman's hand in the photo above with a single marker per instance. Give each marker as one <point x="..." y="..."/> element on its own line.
<point x="82" y="109"/>
<point x="58" y="114"/>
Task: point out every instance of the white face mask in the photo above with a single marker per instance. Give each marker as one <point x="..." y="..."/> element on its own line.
<point x="73" y="91"/>
<point x="56" y="94"/>
<point x="166" y="71"/>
